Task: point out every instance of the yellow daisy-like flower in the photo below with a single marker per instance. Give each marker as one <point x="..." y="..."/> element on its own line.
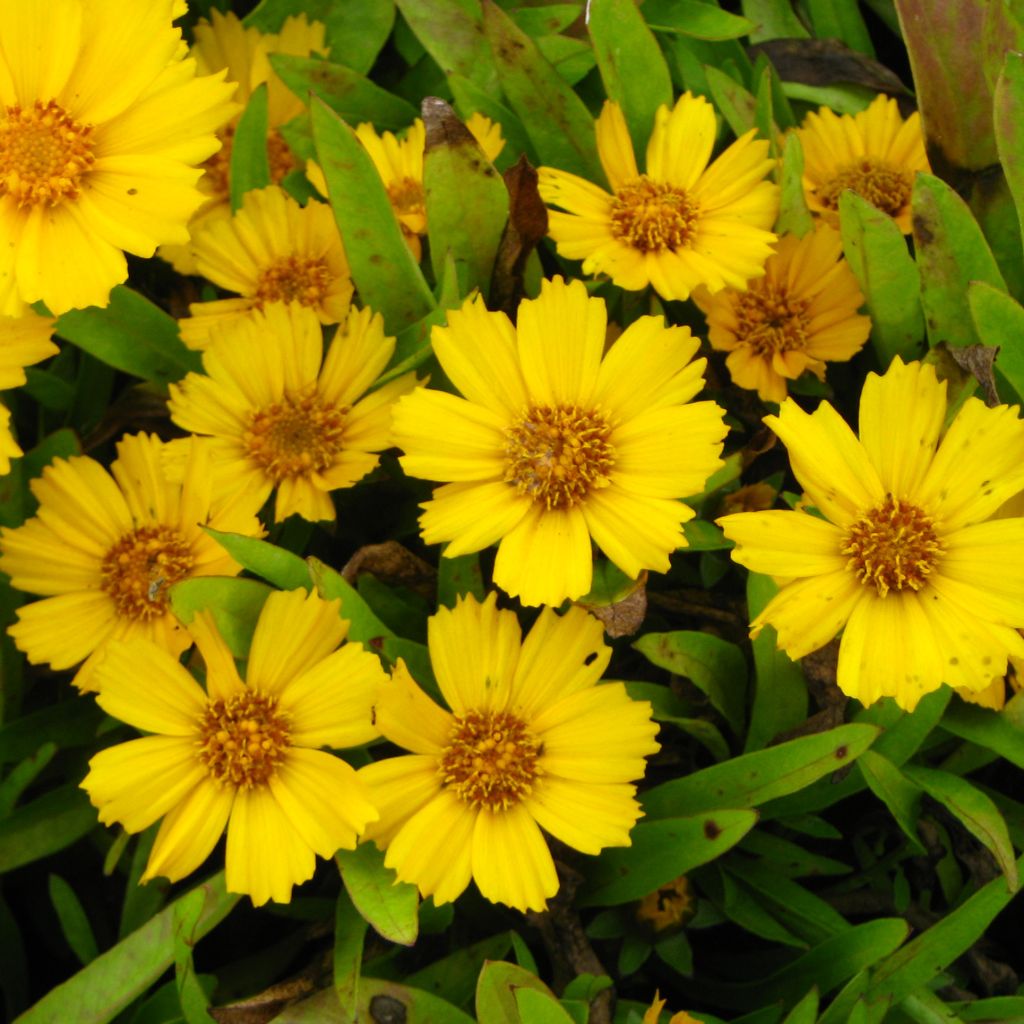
<point x="800" y="314"/>
<point x="241" y="754"/>
<point x="24" y="340"/>
<point x="399" y="161"/>
<point x="530" y="742"/>
<point x="557" y="442"/>
<point x="102" y="124"/>
<point x="875" y="153"/>
<point x="907" y="560"/>
<point x="224" y="43"/>
<point x="653" y="1013"/>
<point x="679" y="224"/>
<point x="271" y="250"/>
<point x="103" y="549"/>
<point x="278" y="419"/>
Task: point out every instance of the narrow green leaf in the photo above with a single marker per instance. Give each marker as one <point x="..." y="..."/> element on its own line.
<point x="388" y="906"/>
<point x="714" y="665"/>
<point x="753" y="779"/>
<point x="995" y="732"/>
<point x="1003" y="1008"/>
<point x="999" y="321"/>
<point x="365" y="626"/>
<point x="896" y="791"/>
<point x="349" y="935"/>
<point x="745" y="909"/>
<point x="454" y="977"/>
<point x="234" y="603"/>
<point x="349" y="94"/>
<point x="737" y="105"/>
<point x="538" y="1008"/>
<point x="457" y="577"/>
<point x="556" y="119"/>
<point x="383" y="269"/>
<point x="133" y="335"/>
<point x="951" y="252"/>
<point x="193" y="1001"/>
<point x="704" y="536"/>
<point x="666" y="707"/>
<point x="660" y="851"/>
<point x="276" y="565"/>
<point x="773" y="19"/>
<point x="877" y="253"/>
<point x="806" y="1011"/>
<point x="1008" y="115"/>
<point x="693" y="18"/>
<point x="623" y="43"/>
<point x="74" y="921"/>
<point x="976" y="812"/>
<point x="22" y="775"/>
<point x="250" y="163"/>
<point x="49" y="823"/>
<point x="839" y="19"/>
<point x="98" y="992"/>
<point x="71" y="723"/>
<point x="496" y="992"/>
<point x="471" y="99"/>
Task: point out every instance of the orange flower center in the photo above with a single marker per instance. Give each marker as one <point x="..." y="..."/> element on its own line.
<point x="44" y="154"/>
<point x="218" y="166"/>
<point x="243" y="739"/>
<point x="894" y="547"/>
<point x="406" y="196"/>
<point x="490" y="760"/>
<point x="653" y="215"/>
<point x="558" y="454"/>
<point x="883" y="186"/>
<point x="770" y="320"/>
<point x="295" y="437"/>
<point x="302" y="279"/>
<point x="139" y="568"/>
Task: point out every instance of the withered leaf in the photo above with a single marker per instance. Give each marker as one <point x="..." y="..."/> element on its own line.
<point x="392" y="564"/>
<point x="527" y="225"/>
<point x="977" y="360"/>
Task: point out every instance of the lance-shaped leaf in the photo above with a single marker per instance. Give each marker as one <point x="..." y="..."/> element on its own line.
<point x="999" y="321"/>
<point x="391" y="907"/>
<point x="896" y="791"/>
<point x="496" y="991"/>
<point x="234" y="602"/>
<point x="1008" y="113"/>
<point x="250" y="163"/>
<point x="695" y="18"/>
<point x="276" y="565"/>
<point x="467" y="202"/>
<point x="556" y="119"/>
<point x="737" y="105"/>
<point x="385" y="274"/>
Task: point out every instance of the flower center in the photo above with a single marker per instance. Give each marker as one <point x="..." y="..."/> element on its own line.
<point x="218" y="166"/>
<point x="490" y="760"/>
<point x="894" y="546"/>
<point x="652" y="215"/>
<point x="883" y="186"/>
<point x="139" y="568"/>
<point x="557" y="454"/>
<point x="302" y="279"/>
<point x="44" y="154"/>
<point x="406" y="196"/>
<point x="243" y="739"/>
<point x="771" y="321"/>
<point x="300" y="435"/>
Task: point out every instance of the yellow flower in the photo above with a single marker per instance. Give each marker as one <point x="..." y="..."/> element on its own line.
<point x="24" y="340"/>
<point x="554" y="444"/>
<point x="241" y="754"/>
<point x="278" y="419"/>
<point x="681" y="223"/>
<point x="530" y="742"/>
<point x="399" y="161"/>
<point x="102" y="124"/>
<point x="653" y="1013"/>
<point x="800" y="314"/>
<point x="224" y="42"/>
<point x="875" y="153"/>
<point x="103" y="549"/>
<point x="271" y="250"/>
<point x="907" y="559"/>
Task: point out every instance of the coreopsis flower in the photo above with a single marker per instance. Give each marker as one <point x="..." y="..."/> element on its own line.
<point x="680" y="223"/>
<point x="271" y="250"/>
<point x="102" y="126"/>
<point x="224" y="43"/>
<point x="556" y="443"/>
<point x="104" y="548"/>
<point x="799" y="315"/>
<point x="905" y="557"/>
<point x="280" y="416"/>
<point x="24" y="340"/>
<point x="653" y="1013"/>
<point x="399" y="161"/>
<point x="875" y="153"/>
<point x="529" y="741"/>
<point x="241" y="754"/>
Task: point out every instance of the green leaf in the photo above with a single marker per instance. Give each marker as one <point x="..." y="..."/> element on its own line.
<point x="349" y="94"/>
<point x="276" y="565"/>
<point x="454" y="977"/>
<point x="556" y="119"/>
<point x="364" y="624"/>
<point x="806" y="1011"/>
<point x="893" y="788"/>
<point x="22" y="775"/>
<point x="999" y="321"/>
<point x="538" y="1008"/>
<point x="349" y="935"/>
<point x="383" y="269"/>
<point x="466" y="199"/>
<point x="976" y="812"/>
<point x="49" y="823"/>
<point x="457" y="577"/>
<point x="74" y="921"/>
<point x="714" y="665"/>
<point x="839" y="19"/>
<point x="704" y="536"/>
<point x="753" y="779"/>
<point x="235" y="604"/>
<point x="111" y="982"/>
<point x="193" y="1001"/>
<point x="71" y="723"/>
<point x="250" y="164"/>
<point x="737" y="105"/>
<point x="471" y="99"/>
<point x="623" y="43"/>
<point x="773" y="19"/>
<point x="694" y="18"/>
<point x="666" y="707"/>
<point x="389" y="906"/>
<point x="133" y="335"/>
<point x="496" y="992"/>
<point x="951" y="252"/>
<point x="995" y="732"/>
<point x="1008" y="115"/>
<point x="661" y="851"/>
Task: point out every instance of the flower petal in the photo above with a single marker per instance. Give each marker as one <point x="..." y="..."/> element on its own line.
<point x="189" y="832"/>
<point x="511" y="861"/>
